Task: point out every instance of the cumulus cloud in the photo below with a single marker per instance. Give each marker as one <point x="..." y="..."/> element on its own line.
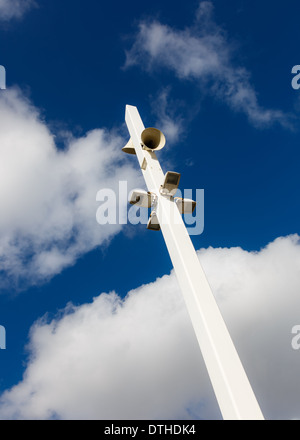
<point x="137" y="358"/>
<point x="14" y="8"/>
<point x="202" y="54"/>
<point x="48" y="195"/>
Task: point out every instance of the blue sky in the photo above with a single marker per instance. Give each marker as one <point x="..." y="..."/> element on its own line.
<point x="215" y="77"/>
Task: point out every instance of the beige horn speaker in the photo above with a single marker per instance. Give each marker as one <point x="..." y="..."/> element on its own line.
<point x="129" y="147"/>
<point x="153" y="139"/>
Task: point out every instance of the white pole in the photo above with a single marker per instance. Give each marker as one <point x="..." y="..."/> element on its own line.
<point x="229" y="380"/>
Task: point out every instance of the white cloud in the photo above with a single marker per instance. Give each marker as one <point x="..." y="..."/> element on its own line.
<point x="48" y="195"/>
<point x="14" y="8"/>
<point x="202" y="53"/>
<point x="138" y="358"/>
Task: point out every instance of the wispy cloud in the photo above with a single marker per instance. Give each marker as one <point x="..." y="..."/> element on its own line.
<point x="10" y="9"/>
<point x="167" y="114"/>
<point x="202" y="54"/>
<point x="137" y="358"/>
<point x="48" y="195"/>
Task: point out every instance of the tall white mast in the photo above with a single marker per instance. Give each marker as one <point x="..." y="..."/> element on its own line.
<point x="229" y="380"/>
